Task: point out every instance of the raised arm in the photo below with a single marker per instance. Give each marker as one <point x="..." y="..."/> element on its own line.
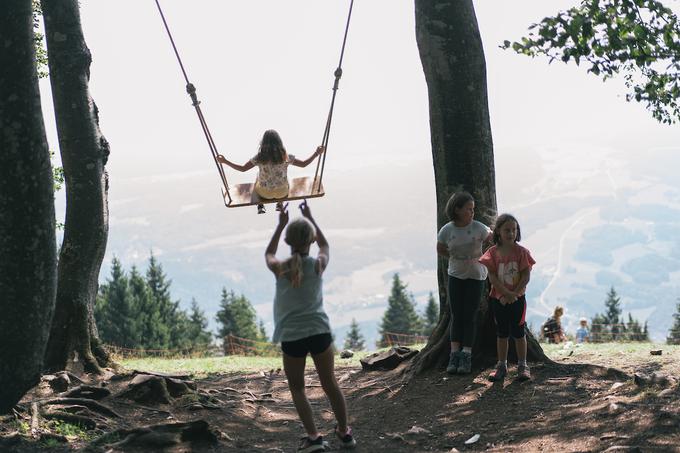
<point x="303" y="163"/>
<point x="321" y="241"/>
<point x="270" y="253"/>
<point x="245" y="167"/>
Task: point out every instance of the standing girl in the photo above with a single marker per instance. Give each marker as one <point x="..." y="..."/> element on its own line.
<point x="272" y="162"/>
<point x="461" y="241"/>
<point x="301" y="324"/>
<point x="509" y="266"/>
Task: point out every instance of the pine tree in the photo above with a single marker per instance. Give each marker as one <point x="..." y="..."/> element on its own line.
<point x="598" y="330"/>
<point x="198" y="333"/>
<point x="115" y="312"/>
<point x="263" y="332"/>
<point x="354" y="340"/>
<point x="168" y="310"/>
<point x="154" y="334"/>
<point x="612" y="315"/>
<point x="674" y="333"/>
<point x="431" y="315"/>
<point x="635" y="331"/>
<point x="236" y="317"/>
<point x="400" y="316"/>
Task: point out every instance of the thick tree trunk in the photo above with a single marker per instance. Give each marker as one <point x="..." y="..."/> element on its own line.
<point x="84" y="152"/>
<point x="453" y="61"/>
<point x="27" y="238"/>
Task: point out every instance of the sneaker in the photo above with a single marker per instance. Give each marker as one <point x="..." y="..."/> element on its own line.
<point x="309" y="446"/>
<point x="454" y="362"/>
<point x="346" y="440"/>
<point x="465" y="365"/>
<point x="260" y="209"/>
<point x="499" y="373"/>
<point x="523" y="373"/>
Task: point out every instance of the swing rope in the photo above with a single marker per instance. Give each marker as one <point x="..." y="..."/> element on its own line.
<point x="191" y="90"/>
<point x="329" y="119"/>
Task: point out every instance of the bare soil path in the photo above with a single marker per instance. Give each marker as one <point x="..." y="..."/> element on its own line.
<point x="590" y="401"/>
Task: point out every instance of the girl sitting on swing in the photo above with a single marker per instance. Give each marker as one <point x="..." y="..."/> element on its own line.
<point x="272" y="162"/>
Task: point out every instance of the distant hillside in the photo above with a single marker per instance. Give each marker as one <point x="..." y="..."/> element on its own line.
<point x="593" y="218"/>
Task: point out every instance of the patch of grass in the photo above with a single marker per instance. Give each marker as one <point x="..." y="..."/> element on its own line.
<point x="69" y="430"/>
<point x="50" y="443"/>
<point x="200" y="367"/>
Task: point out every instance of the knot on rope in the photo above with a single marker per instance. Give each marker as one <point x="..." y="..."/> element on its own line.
<point x="338" y="73"/>
<point x="191" y="90"/>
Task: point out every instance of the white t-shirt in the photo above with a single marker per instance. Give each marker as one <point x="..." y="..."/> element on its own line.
<point x="465" y="249"/>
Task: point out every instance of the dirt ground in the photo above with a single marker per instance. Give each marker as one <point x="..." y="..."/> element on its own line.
<point x="587" y="401"/>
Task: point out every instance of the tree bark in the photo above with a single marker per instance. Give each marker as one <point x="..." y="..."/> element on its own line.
<point x="452" y="56"/>
<point x="84" y="152"/>
<point x="27" y="227"/>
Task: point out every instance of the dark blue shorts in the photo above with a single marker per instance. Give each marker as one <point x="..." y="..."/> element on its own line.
<point x="316" y="344"/>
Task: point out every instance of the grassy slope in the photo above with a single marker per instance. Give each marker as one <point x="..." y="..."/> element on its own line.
<point x="601" y="354"/>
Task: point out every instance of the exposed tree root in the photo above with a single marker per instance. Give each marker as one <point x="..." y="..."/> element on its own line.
<point x="86" y="422"/>
<point x="87" y="391"/>
<point x="162" y="436"/>
<point x="90" y="404"/>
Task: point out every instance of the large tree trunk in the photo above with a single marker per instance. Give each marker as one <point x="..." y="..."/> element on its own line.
<point x="452" y="56"/>
<point x="84" y="151"/>
<point x="28" y="257"/>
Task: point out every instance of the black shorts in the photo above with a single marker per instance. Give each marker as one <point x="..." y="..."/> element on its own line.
<point x="316" y="344"/>
<point x="510" y="319"/>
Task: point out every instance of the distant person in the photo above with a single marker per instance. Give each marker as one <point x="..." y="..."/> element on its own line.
<point x="552" y="327"/>
<point x="461" y="240"/>
<point x="582" y="333"/>
<point x="301" y="324"/>
<point x="272" y="162"/>
<point x="509" y="266"/>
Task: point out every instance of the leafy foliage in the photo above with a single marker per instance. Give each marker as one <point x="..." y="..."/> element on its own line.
<point x="39" y="41"/>
<point x="354" y="339"/>
<point x="400" y="316"/>
<point x="637" y="38"/>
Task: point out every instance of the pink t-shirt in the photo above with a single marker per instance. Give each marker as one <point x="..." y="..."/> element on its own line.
<point x="507" y="268"/>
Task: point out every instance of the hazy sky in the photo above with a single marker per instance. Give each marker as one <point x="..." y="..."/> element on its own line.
<point x="265" y="64"/>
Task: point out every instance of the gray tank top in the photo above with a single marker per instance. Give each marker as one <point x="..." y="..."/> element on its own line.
<point x="298" y="312"/>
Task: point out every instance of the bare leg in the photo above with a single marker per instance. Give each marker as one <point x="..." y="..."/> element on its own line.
<point x="295" y="372"/>
<point x="324" y="363"/>
<point x="521" y="346"/>
<point x="455" y="346"/>
<point x="502" y="348"/>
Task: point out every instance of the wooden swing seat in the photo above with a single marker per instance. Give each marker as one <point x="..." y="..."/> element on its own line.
<point x="245" y="195"/>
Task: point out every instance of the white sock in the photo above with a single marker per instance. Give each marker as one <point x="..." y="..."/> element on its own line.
<point x="503" y="363"/>
<point x="522" y="362"/>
